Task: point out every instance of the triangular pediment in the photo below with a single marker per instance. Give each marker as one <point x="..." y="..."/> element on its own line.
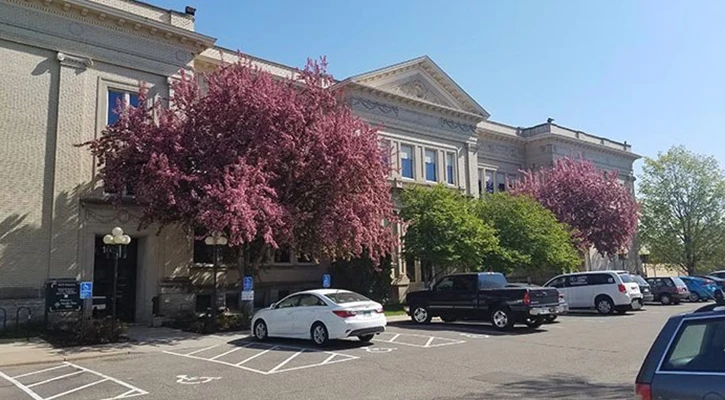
<point x="423" y="80"/>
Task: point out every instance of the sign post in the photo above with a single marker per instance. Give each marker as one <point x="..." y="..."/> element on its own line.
<point x="248" y="289"/>
<point x="326" y="280"/>
<point x="63" y="295"/>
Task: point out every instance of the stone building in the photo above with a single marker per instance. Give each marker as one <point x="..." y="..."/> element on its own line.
<point x="65" y="64"/>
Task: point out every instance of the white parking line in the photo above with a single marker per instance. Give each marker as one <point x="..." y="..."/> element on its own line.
<point x="428" y="344"/>
<point x="41" y="371"/>
<point x="55" y="379"/>
<point x="331" y="359"/>
<point x="76" y="389"/>
<point x="228" y="352"/>
<point x="205" y="348"/>
<point x="285" y="362"/>
<point x="131" y="392"/>
<point x="256" y="355"/>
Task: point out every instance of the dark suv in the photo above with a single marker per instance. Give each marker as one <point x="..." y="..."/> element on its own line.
<point x="687" y="360"/>
<point x="668" y="290"/>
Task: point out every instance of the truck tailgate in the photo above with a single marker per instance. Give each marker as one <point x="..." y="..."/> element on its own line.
<point x="543" y="296"/>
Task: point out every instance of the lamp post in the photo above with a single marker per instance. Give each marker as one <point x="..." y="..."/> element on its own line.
<point x="644" y="257"/>
<point x="215" y="240"/>
<point x="115" y="243"/>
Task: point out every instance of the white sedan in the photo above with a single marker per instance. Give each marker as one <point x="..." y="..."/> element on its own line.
<point x="321" y="315"/>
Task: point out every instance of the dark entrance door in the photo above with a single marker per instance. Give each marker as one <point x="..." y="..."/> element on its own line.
<point x="126" y="284"/>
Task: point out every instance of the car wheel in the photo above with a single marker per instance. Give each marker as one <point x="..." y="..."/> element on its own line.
<point x="534" y="322"/>
<point x="260" y="330"/>
<point x="366" y="338"/>
<point x="421" y="315"/>
<point x="448" y="319"/>
<point x="694" y="297"/>
<point x="550" y="318"/>
<point x="665" y="299"/>
<point x="502" y="319"/>
<point x="319" y="334"/>
<point x="604" y="304"/>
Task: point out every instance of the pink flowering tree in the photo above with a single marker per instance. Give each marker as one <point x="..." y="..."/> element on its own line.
<point x="268" y="162"/>
<point x="602" y="211"/>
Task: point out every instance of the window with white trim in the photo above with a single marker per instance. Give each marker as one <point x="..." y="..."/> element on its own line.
<point x="450" y="168"/>
<point x="431" y="173"/>
<point x="501" y="181"/>
<point x="386" y="150"/>
<point x="489" y="182"/>
<point x="407" y="161"/>
<point x="116" y="99"/>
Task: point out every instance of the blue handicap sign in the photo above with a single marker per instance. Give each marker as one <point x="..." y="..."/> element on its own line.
<point x="248" y="284"/>
<point x="326" y="280"/>
<point x="86" y="290"/>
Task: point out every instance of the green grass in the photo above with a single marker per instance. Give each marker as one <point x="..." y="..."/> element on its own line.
<point x="393" y="310"/>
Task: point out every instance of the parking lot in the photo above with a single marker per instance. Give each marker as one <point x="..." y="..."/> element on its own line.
<point x="579" y="356"/>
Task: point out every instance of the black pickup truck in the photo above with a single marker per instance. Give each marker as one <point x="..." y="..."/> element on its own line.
<point x="483" y="296"/>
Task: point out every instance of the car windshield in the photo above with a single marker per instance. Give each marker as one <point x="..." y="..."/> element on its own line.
<point x="698" y="347"/>
<point x="346" y="297"/>
<point x="639" y="280"/>
<point x="678" y="282"/>
<point x="626" y="278"/>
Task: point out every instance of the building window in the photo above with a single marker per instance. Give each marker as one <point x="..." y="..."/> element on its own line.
<point x="430" y="166"/>
<point x="386" y="150"/>
<point x="116" y="98"/>
<point x="501" y="181"/>
<point x="489" y="181"/>
<point x="511" y="181"/>
<point x="282" y="256"/>
<point x="204" y="254"/>
<point x="410" y="267"/>
<point x="450" y="168"/>
<point x="407" y="161"/>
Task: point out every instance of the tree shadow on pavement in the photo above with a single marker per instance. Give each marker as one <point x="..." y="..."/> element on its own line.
<point x="479" y="328"/>
<point x="549" y="387"/>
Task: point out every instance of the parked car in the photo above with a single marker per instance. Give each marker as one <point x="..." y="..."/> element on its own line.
<point x="644" y="288"/>
<point x="700" y="289"/>
<point x="718" y="274"/>
<point x="687" y="360"/>
<point x="321" y="315"/>
<point x="482" y="296"/>
<point x="563" y="305"/>
<point x="668" y="290"/>
<point x="605" y="291"/>
<point x="719" y="282"/>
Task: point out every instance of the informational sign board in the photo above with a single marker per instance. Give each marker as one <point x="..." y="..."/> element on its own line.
<point x="248" y="295"/>
<point x="86" y="290"/>
<point x="326" y="280"/>
<point x="63" y="295"/>
<point x="248" y="284"/>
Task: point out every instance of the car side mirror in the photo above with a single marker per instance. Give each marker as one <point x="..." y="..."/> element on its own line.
<point x="273" y="306"/>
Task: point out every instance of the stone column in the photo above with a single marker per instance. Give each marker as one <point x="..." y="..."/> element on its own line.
<point x="67" y="165"/>
<point x="471" y="149"/>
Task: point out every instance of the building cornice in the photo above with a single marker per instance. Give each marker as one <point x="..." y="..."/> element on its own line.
<point x="587" y="145"/>
<point x="119" y="20"/>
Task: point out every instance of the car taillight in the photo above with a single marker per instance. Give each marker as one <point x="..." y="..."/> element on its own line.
<point x="643" y="391"/>
<point x="344" y="313"/>
<point x="527" y="299"/>
<point x="622" y="288"/>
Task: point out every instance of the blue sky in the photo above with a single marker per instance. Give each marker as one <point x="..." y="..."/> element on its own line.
<point x="648" y="72"/>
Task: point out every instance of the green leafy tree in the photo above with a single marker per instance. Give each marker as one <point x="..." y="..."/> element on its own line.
<point x="533" y="242"/>
<point x="683" y="209"/>
<point x="443" y="231"/>
<point x="363" y="276"/>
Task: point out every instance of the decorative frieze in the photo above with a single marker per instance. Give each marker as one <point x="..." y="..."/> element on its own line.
<point x="455" y="125"/>
<point x="375" y="106"/>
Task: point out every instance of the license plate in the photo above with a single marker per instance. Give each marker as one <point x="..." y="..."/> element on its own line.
<point x="366" y="313"/>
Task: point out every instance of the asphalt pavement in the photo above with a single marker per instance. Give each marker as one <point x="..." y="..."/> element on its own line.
<point x="583" y="356"/>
